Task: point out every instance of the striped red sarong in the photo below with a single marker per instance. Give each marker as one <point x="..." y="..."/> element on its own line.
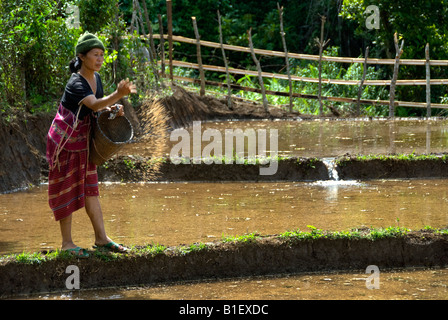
<point x="71" y="176"/>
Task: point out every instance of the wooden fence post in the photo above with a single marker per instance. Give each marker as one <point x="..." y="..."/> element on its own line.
<point x="428" y="82"/>
<point x="162" y="46"/>
<point x="321" y="44"/>
<point x="260" y="77"/>
<point x="150" y="32"/>
<point x="169" y="9"/>
<point x="152" y="58"/>
<point x="229" y="90"/>
<point x="282" y="33"/>
<point x="358" y="107"/>
<point x="199" y="56"/>
<point x="399" y="51"/>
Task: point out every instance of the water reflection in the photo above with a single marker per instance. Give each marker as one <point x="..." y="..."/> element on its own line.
<point x="338" y="137"/>
<point x="184" y="213"/>
<point x="420" y="284"/>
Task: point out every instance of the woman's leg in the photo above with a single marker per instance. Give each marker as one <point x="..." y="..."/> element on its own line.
<point x="66" y="232"/>
<point x="95" y="214"/>
<point x="93" y="209"/>
<point x="67" y="242"/>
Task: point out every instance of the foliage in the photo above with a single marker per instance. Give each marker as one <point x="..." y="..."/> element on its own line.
<point x="95" y="15"/>
<point x="34" y="46"/>
<point x="417" y="23"/>
<point x="330" y="70"/>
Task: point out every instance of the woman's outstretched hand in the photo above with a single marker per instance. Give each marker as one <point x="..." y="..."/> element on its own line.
<point x="126" y="87"/>
<point x="119" y="109"/>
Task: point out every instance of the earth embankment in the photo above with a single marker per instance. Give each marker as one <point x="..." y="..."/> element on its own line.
<point x="259" y="256"/>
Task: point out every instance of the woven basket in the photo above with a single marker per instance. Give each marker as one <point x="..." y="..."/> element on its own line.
<point x="109" y="136"/>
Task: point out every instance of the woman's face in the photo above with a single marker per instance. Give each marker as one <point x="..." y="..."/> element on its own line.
<point x="93" y="59"/>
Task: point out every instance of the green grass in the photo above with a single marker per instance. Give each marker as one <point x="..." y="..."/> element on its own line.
<point x="148" y="250"/>
<point x="251" y="237"/>
<point x="372" y="234"/>
<point x="195" y="247"/>
<point x="400" y="157"/>
<point x="151" y="250"/>
<point x="407" y="157"/>
<point x="38" y="257"/>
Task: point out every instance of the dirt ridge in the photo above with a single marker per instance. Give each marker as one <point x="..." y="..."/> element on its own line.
<point x="263" y="256"/>
<point x="138" y="169"/>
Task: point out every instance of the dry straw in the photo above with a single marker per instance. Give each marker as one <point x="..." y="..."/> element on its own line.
<point x="154" y="122"/>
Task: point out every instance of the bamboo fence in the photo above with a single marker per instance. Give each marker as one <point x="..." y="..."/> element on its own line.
<point x="396" y="62"/>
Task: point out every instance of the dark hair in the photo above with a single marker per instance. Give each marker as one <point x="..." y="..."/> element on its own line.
<point x="75" y="65"/>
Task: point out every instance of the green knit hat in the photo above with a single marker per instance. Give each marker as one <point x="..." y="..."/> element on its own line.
<point x="88" y="42"/>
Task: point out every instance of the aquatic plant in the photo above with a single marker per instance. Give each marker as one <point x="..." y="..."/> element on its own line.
<point x="195" y="247"/>
<point x="389" y="232"/>
<point x="149" y="249"/>
<point x="251" y="237"/>
<point x="27" y="258"/>
<point x="130" y="164"/>
<point x="372" y="234"/>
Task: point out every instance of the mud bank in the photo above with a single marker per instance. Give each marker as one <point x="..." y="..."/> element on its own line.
<point x="259" y="256"/>
<point x="138" y="169"/>
<point x="23" y="144"/>
<point x="392" y="167"/>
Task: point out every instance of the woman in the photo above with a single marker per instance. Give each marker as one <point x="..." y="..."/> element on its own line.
<point x="73" y="180"/>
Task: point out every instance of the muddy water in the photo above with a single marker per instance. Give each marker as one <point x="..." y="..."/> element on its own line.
<point x="390" y="285"/>
<point x="184" y="213"/>
<point x="336" y="137"/>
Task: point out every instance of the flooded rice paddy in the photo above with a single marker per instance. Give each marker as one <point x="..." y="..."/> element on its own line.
<point x="392" y="285"/>
<point x="334" y="138"/>
<point x="185" y="213"/>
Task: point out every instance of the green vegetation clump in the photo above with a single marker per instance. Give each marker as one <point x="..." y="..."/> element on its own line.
<point x="246" y="238"/>
<point x="399" y="157"/>
<point x="38" y="40"/>
<point x="152" y="250"/>
<point x="372" y="234"/>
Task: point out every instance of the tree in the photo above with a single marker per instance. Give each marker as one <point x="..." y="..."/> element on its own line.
<point x="418" y="23"/>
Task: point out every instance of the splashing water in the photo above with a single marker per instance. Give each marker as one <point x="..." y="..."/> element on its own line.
<point x="330" y="163"/>
<point x="334" y="180"/>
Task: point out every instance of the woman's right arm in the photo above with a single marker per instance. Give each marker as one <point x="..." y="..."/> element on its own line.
<point x="124" y="88"/>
